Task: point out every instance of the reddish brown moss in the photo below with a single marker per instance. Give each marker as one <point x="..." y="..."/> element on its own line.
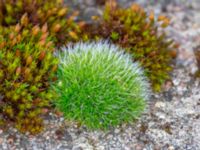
<point x="27" y="65"/>
<point x="137" y="32"/>
<point x="38" y="12"/>
<point x="197" y="55"/>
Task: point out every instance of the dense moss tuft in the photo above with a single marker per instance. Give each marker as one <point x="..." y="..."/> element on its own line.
<point x="99" y="86"/>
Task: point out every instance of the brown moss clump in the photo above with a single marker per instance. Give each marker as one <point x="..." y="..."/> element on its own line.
<point x="27" y="65"/>
<point x="53" y="12"/>
<point x="137" y="32"/>
<point x="197" y="55"/>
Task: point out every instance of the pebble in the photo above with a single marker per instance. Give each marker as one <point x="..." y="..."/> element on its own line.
<point x="171" y="148"/>
<point x="160" y="104"/>
<point x="176" y="82"/>
<point x="1" y="140"/>
<point x="117" y="131"/>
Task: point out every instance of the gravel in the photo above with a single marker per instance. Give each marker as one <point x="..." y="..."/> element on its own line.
<point x="172" y="120"/>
